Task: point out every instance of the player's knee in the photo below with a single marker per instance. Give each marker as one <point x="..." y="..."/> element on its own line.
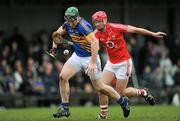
<point x="99" y="88"/>
<point x="63" y="78"/>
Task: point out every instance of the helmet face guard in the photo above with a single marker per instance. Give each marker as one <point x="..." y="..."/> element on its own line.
<point x="70" y="18"/>
<point x="71" y="14"/>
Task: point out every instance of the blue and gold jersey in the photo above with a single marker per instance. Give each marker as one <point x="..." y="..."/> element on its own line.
<point x="78" y="35"/>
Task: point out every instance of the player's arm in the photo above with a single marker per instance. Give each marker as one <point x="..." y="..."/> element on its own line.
<point x="56" y="40"/>
<point x="94" y="52"/>
<point x="57" y="37"/>
<point x="132" y="29"/>
<point x="94" y="46"/>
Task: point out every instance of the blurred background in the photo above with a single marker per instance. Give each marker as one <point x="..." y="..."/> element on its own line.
<point x="29" y="77"/>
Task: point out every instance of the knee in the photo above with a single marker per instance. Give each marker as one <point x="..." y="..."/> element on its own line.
<point x="100" y="89"/>
<point x="63" y="78"/>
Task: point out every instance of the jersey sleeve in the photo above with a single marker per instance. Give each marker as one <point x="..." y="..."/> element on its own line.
<point x="87" y="28"/>
<point x="64" y="26"/>
<point x="120" y="27"/>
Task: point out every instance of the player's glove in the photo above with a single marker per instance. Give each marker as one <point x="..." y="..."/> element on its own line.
<point x="52" y="52"/>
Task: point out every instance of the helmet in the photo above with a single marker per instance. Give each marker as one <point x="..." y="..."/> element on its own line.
<point x="99" y="15"/>
<point x="71" y="13"/>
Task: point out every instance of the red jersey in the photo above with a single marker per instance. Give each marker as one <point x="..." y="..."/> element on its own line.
<point x="113" y="41"/>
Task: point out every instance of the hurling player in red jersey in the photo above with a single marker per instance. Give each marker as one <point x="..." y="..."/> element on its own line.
<point x="119" y="64"/>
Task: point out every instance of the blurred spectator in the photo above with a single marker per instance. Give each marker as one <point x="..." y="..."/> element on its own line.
<point x="176" y="73"/>
<point x="14" y="53"/>
<point x="32" y="68"/>
<point x="3" y="64"/>
<point x="6" y="52"/>
<point x="49" y="78"/>
<point x="8" y="81"/>
<point x="162" y="46"/>
<point x="176" y="50"/>
<point x="35" y="48"/>
<point x="176" y="89"/>
<point x="39" y="88"/>
<point x="166" y="67"/>
<point x="18" y="74"/>
<point x="142" y="58"/>
<point x="134" y="49"/>
<point x="153" y="55"/>
<point x="31" y="75"/>
<point x="44" y="37"/>
<point x="147" y="78"/>
<point x="157" y="78"/>
<point x="2" y="71"/>
<point x="58" y="66"/>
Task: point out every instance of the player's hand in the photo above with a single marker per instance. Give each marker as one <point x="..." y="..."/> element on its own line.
<point x="160" y="35"/>
<point x="90" y="68"/>
<point x="52" y="52"/>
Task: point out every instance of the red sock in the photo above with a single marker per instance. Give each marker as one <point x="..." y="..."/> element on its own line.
<point x="140" y="92"/>
<point x="104" y="110"/>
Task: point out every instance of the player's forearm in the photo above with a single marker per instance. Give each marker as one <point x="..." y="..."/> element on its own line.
<point x="56" y="37"/>
<point x="132" y="29"/>
<point x="54" y="45"/>
<point x="94" y="52"/>
<point x="145" y="32"/>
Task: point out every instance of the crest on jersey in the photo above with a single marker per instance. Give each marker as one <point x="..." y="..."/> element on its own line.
<point x="110" y="44"/>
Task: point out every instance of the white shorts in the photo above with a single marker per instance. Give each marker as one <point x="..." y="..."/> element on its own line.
<point x="121" y="70"/>
<point x="81" y="63"/>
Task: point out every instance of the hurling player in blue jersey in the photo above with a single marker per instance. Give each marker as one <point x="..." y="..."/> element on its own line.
<point x="85" y="57"/>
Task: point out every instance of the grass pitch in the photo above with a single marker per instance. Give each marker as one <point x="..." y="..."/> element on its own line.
<point x="138" y="113"/>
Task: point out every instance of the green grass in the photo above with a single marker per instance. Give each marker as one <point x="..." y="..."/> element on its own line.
<point x="138" y="113"/>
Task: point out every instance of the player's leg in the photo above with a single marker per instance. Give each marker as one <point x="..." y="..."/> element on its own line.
<point x="132" y="92"/>
<point x="97" y="82"/>
<point x="69" y="69"/>
<point x="107" y="76"/>
<point x="109" y="91"/>
<point x="116" y="70"/>
<point x="67" y="72"/>
<point x="105" y="89"/>
<point x="122" y="74"/>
